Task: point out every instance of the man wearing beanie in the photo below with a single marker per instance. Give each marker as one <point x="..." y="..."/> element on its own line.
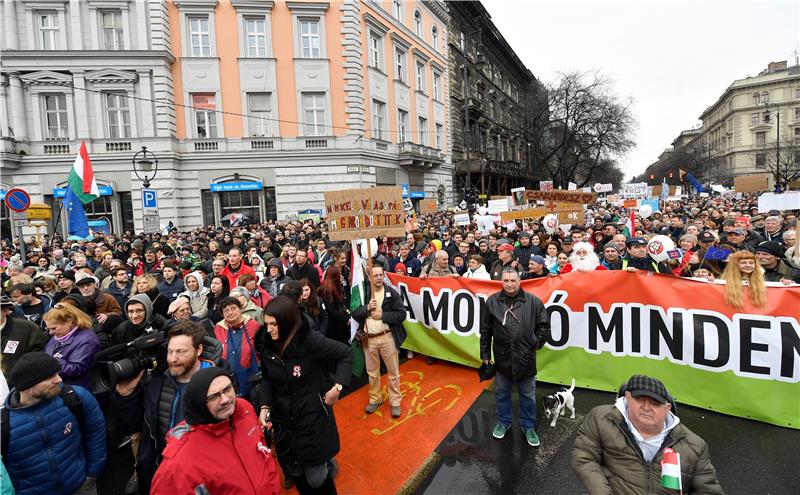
<point x="770" y="256"/>
<point x="220" y="445"/>
<point x="56" y="433"/>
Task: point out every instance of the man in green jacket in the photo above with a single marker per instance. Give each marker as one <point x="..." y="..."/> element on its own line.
<point x="619" y="447"/>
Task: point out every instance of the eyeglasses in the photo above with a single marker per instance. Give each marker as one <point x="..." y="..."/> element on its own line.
<point x="215" y="397"/>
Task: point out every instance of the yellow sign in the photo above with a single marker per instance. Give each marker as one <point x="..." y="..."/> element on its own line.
<point x="365" y="213"/>
<point x="38" y="211"/>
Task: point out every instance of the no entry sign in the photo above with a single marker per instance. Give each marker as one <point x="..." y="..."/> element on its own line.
<point x="18" y="200"/>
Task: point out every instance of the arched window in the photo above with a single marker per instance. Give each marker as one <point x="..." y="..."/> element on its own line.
<point x="435" y="38"/>
<point x="418" y="23"/>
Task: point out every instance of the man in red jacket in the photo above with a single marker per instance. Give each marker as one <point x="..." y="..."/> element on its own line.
<point x="235" y="267"/>
<point x="220" y="447"/>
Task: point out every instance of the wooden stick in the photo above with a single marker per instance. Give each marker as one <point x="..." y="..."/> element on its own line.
<point x="369" y="269"/>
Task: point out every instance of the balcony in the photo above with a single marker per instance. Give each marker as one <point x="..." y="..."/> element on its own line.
<point x="507" y="168"/>
<point x="418" y="155"/>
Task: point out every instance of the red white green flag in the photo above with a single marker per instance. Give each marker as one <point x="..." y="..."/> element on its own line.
<point x="671" y="470"/>
<point x="629" y="226"/>
<point x="81" y="177"/>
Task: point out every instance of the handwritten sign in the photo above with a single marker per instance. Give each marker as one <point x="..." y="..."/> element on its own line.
<point x="508" y="216"/>
<point x="365" y="213"/>
<point x="461" y="218"/>
<point x="636" y="190"/>
<point x="428" y="206"/>
<point x="603" y="188"/>
<point x="562" y="196"/>
<point x="571" y="217"/>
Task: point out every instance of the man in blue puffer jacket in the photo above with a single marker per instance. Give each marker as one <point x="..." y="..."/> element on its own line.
<point x="50" y="450"/>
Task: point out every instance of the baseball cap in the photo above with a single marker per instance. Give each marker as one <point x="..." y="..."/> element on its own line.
<point x="706" y="236"/>
<point x="643" y="385"/>
<point x="85" y="279"/>
<point x="737" y="232"/>
<point x="567" y="240"/>
<point x="505" y="247"/>
<point x="636" y="241"/>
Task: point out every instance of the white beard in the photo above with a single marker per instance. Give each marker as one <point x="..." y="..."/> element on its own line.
<point x="585" y="264"/>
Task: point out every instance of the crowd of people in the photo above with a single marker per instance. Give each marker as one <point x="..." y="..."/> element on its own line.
<point x="254" y="323"/>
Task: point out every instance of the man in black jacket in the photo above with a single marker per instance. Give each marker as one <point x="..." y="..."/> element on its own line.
<point x="381" y="325"/>
<point x="515" y="325"/>
<point x="155" y="405"/>
<point x="19" y="337"/>
<point x="303" y="268"/>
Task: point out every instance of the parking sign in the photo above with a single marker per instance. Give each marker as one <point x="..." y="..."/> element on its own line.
<point x="149" y="202"/>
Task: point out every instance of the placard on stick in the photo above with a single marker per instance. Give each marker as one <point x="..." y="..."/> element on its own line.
<point x="365" y="213"/>
<point x="562" y="196"/>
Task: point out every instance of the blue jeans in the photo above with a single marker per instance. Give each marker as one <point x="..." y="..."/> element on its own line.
<point x="527" y="401"/>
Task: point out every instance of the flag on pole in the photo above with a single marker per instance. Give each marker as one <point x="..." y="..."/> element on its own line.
<point x="77" y="223"/>
<point x="629" y="226"/>
<point x="81" y="178"/>
<point x="358" y="291"/>
<point x="664" y="190"/>
<point x="671" y="470"/>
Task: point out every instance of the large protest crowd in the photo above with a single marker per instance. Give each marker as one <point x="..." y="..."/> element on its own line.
<point x="119" y="324"/>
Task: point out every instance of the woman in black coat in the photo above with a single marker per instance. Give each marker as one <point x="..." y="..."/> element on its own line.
<point x="296" y="398"/>
<point x="333" y="297"/>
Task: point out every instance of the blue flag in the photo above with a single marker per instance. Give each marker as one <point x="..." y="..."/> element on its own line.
<point x="717" y="254"/>
<point x="77" y="224"/>
<point x="664" y="190"/>
<point x="695" y="183"/>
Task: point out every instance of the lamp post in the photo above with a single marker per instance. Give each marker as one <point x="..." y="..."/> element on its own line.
<point x="147" y="163"/>
<point x="777" y="142"/>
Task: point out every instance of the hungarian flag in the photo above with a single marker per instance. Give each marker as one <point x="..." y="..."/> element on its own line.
<point x="81" y="178"/>
<point x="671" y="470"/>
<point x="629" y="226"/>
<point x="358" y="291"/>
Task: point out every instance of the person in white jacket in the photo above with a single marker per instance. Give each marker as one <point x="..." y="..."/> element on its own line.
<point x="475" y="268"/>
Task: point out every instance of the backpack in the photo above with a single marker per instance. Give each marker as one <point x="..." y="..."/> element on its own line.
<point x="71" y="399"/>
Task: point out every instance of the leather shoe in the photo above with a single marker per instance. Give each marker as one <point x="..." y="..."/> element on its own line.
<point x="396" y="411"/>
<point x="371" y="408"/>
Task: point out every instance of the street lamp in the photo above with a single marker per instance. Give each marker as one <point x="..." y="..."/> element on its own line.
<point x="147" y="163"/>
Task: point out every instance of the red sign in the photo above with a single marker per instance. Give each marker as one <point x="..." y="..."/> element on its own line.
<point x="18" y="200"/>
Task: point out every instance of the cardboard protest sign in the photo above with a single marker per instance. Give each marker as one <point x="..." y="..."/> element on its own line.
<point x="365" y="213"/>
<point x="562" y="196"/>
<point x="751" y="183"/>
<point x="508" y="216"/>
<point x="461" y="218"/>
<point x="428" y="206"/>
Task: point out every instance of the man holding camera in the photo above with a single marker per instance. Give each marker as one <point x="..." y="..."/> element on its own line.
<point x="154" y="406"/>
<point x="141" y="316"/>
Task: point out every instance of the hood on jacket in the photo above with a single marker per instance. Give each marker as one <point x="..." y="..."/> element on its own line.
<point x="195" y="406"/>
<point x="203" y="290"/>
<point x="144" y="300"/>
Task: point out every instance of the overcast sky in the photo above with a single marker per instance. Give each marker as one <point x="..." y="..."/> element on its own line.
<point x="674" y="58"/>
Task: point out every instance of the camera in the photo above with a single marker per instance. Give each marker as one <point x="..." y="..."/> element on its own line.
<point x="124" y="361"/>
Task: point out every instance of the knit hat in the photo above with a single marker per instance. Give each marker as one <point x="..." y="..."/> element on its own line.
<point x="195" y="403"/>
<point x="400" y="266"/>
<point x="32" y="368"/>
<point x="69" y="275"/>
<point x="537" y="259"/>
<point x="612" y="245"/>
<point x="177" y="303"/>
<point x="242" y="291"/>
<point x="770" y="247"/>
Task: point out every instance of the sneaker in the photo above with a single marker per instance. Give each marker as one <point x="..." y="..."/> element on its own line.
<point x="532" y="437"/>
<point x="499" y="431"/>
<point x="396" y="411"/>
<point x="371" y="408"/>
<point x="410" y="354"/>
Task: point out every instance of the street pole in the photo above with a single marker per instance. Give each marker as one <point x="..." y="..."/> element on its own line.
<point x="778" y="150"/>
<point x="467" y="162"/>
<point x="22" y="252"/>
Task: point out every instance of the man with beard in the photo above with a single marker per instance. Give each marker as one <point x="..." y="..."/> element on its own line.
<point x="156" y="405"/>
<point x="583" y="259"/>
<point x="32" y="306"/>
<point x="106" y="308"/>
<point x="120" y="287"/>
<point x="772" y="259"/>
<point x="54" y="435"/>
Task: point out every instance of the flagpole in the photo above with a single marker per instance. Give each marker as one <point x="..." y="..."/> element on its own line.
<point x="58" y="221"/>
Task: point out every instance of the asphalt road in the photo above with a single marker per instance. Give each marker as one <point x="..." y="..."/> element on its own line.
<point x="750" y="457"/>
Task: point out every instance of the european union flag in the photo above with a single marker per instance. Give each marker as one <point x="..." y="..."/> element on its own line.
<point x="717" y="254"/>
<point x="77" y="224"/>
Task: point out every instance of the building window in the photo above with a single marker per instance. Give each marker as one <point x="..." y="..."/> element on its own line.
<point x="435" y="38"/>
<point x="400" y="70"/>
<point x="764" y="97"/>
<point x="310" y="39"/>
<point x="246" y="202"/>
<point x="437" y="86"/>
<point x="418" y="23"/>
<point x="314" y="114"/>
<point x="754" y="118"/>
<point x="199" y="37"/>
<point x="259" y="108"/>
<point x="378" y="119"/>
<point x="462" y="41"/>
<point x="256" y="28"/>
<point x="402" y="126"/>
<point x="55" y="117"/>
<point x="797" y="114"/>
<point x="375" y="51"/>
<point x="126" y="210"/>
<point x="761" y="138"/>
<point x="797" y="133"/>
<point x="422" y="130"/>
<point x="398" y="9"/>
<point x="205" y="115"/>
<point x="111" y="24"/>
<point x="48" y="30"/>
<point x="761" y="160"/>
<point x="420" y="77"/>
<point x="119" y="115"/>
<point x="439" y="136"/>
<point x="797" y="92"/>
<point x="756" y="98"/>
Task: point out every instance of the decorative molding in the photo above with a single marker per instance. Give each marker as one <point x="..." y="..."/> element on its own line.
<point x="196" y="5"/>
<point x="111" y="76"/>
<point x="419" y="54"/>
<point x="400" y="41"/>
<point x="376" y="25"/>
<point x="47" y="77"/>
<point x="258" y="5"/>
<point x="308" y="7"/>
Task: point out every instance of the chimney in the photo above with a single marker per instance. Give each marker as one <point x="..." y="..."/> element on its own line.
<point x="776" y="66"/>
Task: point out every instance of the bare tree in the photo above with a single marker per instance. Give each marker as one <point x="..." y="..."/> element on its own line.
<point x="582" y="128"/>
<point x="782" y="162"/>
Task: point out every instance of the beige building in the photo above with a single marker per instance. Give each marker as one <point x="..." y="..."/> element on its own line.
<point x="743" y="128"/>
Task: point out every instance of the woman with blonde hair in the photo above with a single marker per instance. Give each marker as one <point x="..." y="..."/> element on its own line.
<point x="73" y="343"/>
<point x="743" y="269"/>
<point x="147" y="284"/>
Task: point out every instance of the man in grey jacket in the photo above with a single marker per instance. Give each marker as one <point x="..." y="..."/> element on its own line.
<point x="619" y="447"/>
<point x="515" y="325"/>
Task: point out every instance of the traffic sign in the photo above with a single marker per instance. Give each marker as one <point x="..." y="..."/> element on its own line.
<point x="404" y="190"/>
<point x="18" y="200"/>
<point x="20" y="219"/>
<point x="151" y="224"/>
<point x="149" y="202"/>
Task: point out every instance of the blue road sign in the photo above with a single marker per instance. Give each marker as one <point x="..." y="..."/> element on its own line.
<point x="405" y="190"/>
<point x="17" y="200"/>
<point x="149" y="199"/>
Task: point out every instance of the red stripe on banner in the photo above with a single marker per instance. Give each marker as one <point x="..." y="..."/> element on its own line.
<point x="88" y="174"/>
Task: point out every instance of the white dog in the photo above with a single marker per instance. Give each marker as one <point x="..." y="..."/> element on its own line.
<point x="556" y="404"/>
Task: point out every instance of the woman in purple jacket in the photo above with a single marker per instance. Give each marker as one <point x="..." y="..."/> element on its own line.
<point x="73" y="343"/>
